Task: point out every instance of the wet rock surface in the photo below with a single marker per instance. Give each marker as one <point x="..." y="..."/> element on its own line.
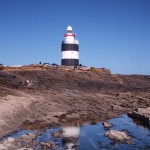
<point x="107" y="125"/>
<point x="57" y="134"/>
<point x="57" y="95"/>
<point x="46" y="145"/>
<point x="24" y="142"/>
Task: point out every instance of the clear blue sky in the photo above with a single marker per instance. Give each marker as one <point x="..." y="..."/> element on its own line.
<point x="113" y="34"/>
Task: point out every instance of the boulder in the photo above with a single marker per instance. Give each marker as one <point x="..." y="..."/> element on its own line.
<point x="117" y="135"/>
<point x="57" y="134"/>
<point x="11" y="139"/>
<point x="107" y="124"/>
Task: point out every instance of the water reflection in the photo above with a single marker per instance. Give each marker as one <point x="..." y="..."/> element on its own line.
<point x="70" y="137"/>
<point x="91" y="137"/>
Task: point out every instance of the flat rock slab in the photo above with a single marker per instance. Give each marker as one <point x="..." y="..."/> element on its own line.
<point x="144" y="111"/>
<point x="117" y="135"/>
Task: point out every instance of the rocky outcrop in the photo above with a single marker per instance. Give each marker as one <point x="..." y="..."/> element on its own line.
<point x="57" y="95"/>
<point x="142" y="114"/>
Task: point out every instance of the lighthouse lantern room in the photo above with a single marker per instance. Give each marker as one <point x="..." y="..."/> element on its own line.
<point x="70" y="49"/>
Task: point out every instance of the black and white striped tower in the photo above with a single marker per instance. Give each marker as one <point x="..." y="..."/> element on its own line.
<point x="70" y="49"/>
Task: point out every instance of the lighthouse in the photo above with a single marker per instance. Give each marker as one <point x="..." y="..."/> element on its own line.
<point x="70" y="49"/>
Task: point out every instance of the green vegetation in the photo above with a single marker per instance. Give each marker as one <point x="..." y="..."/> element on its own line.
<point x="92" y="69"/>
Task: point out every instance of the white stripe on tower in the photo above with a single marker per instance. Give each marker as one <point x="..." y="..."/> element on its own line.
<point x="70" y="54"/>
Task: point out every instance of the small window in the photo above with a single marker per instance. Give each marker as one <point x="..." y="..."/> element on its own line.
<point x="69" y="31"/>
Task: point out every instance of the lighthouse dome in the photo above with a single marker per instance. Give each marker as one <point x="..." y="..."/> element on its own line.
<point x="69" y="28"/>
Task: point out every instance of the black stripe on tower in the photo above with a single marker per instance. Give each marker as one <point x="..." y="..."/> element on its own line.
<point x="72" y="47"/>
<point x="70" y="62"/>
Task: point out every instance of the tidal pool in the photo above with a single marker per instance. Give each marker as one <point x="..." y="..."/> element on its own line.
<point x="91" y="137"/>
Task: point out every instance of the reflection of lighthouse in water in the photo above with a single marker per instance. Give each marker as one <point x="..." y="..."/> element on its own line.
<point x="70" y="137"/>
<point x="70" y="49"/>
